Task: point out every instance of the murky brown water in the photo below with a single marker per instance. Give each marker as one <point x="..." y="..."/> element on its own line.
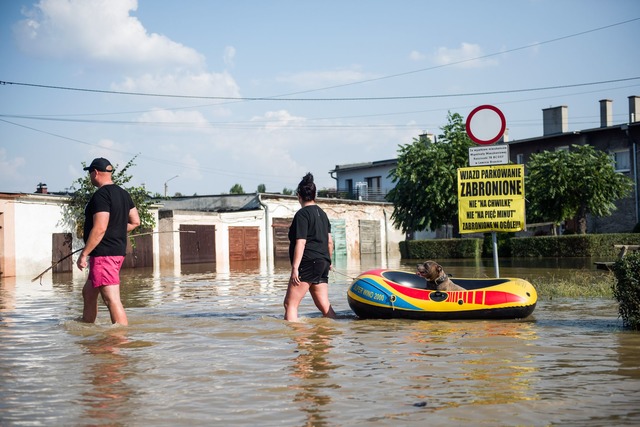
<point x="212" y="349"/>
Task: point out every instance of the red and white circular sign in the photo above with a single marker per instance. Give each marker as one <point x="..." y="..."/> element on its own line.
<point x="486" y="124"/>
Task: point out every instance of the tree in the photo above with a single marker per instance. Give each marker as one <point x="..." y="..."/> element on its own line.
<point x="425" y="195"/>
<point x="262" y="188"/>
<point x="237" y="189"/>
<point x="569" y="184"/>
<point x="82" y="190"/>
<point x="287" y="191"/>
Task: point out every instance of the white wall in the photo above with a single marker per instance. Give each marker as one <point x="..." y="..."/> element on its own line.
<point x="36" y="220"/>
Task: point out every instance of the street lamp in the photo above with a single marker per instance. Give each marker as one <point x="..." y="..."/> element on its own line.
<point x="165" y="184"/>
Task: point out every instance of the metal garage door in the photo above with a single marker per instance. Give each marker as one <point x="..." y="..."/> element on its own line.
<point x="244" y="243"/>
<point x="369" y="236"/>
<point x="280" y="228"/>
<point x="197" y="244"/>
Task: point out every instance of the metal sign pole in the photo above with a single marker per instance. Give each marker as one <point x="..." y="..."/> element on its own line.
<point x="495" y="253"/>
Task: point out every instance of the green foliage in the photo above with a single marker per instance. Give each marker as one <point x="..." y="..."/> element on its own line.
<point x="262" y="188"/>
<point x="440" y="248"/>
<point x="425" y="195"/>
<point x="627" y="289"/>
<point x="576" y="245"/>
<point x="82" y="190"/>
<point x="287" y="191"/>
<point x="504" y="244"/>
<point x="563" y="185"/>
<point x="236" y="189"/>
<point x="581" y="284"/>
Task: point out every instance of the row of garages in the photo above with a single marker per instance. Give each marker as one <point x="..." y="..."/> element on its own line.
<point x="192" y="230"/>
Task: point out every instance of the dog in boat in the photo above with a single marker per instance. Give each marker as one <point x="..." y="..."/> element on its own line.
<point x="436" y="278"/>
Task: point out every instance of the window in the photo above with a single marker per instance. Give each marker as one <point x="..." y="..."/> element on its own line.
<point x="349" y="185"/>
<point x="520" y="159"/>
<point x="621" y="160"/>
<point x="374" y="182"/>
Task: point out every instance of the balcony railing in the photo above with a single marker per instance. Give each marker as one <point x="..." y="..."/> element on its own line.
<point x="364" y="194"/>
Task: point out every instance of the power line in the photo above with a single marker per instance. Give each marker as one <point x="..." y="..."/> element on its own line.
<point x="382" y="98"/>
<point x="222" y="172"/>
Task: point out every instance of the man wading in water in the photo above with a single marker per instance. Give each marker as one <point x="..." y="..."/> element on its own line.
<point x="109" y="216"/>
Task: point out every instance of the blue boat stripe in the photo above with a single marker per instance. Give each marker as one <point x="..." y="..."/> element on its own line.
<point x="392" y="297"/>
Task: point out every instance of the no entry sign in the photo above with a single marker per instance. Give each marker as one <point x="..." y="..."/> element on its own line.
<point x="486" y="124"/>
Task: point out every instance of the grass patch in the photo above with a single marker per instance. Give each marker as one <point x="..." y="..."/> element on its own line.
<point x="583" y="284"/>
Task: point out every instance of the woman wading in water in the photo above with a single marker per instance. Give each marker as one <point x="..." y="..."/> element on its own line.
<point x="310" y="249"/>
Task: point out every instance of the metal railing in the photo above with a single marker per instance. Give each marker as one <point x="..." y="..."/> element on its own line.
<point x="364" y="194"/>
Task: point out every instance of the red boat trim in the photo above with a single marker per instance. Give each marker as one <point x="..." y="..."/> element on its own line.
<point x="468" y="297"/>
<point x="410" y="292"/>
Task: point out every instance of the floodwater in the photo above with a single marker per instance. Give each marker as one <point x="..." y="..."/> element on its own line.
<point x="206" y="348"/>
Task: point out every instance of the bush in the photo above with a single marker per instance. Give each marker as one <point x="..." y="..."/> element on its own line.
<point x="576" y="245"/>
<point x="627" y="289"/>
<point x="504" y="244"/>
<point x="441" y="248"/>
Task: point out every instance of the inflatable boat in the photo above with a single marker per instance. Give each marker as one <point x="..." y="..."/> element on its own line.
<point x="389" y="294"/>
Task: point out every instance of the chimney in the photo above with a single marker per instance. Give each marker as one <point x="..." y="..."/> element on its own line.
<point x="634" y="109"/>
<point x="426" y="138"/>
<point x="505" y="136"/>
<point x="42" y="188"/>
<point x="606" y="113"/>
<point x="554" y="120"/>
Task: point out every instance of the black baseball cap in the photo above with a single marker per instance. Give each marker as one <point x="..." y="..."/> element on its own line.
<point x="101" y="164"/>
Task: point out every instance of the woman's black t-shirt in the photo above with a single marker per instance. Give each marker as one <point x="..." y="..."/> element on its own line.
<point x="310" y="223"/>
<point x="117" y="201"/>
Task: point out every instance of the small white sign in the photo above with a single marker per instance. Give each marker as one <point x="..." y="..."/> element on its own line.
<point x="489" y="155"/>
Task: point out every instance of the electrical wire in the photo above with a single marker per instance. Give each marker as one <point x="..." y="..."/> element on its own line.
<point x="367" y="98"/>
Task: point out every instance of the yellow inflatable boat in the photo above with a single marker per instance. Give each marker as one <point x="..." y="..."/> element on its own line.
<point x="388" y="294"/>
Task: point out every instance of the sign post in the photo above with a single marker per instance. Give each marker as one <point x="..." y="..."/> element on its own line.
<point x="490" y="192"/>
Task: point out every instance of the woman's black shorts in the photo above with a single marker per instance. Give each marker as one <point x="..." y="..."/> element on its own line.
<point x="314" y="271"/>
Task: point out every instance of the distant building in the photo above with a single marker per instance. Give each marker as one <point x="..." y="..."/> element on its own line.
<point x="364" y="181"/>
<point x="368" y="181"/>
<point x="620" y="141"/>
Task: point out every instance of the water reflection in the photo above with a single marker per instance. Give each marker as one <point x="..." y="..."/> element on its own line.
<point x="7" y="296"/>
<point x="217" y="352"/>
<point x="312" y="366"/>
<point x="628" y="349"/>
<point x="106" y="401"/>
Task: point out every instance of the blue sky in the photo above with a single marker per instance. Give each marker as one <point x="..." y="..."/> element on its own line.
<point x="337" y="82"/>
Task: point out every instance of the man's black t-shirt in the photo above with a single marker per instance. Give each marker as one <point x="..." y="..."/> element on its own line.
<point x="113" y="199"/>
<point x="310" y="223"/>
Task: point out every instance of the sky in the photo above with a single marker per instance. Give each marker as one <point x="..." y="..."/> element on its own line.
<point x="209" y="94"/>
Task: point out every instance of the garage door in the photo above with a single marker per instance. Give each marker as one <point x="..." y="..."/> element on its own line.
<point x="244" y="243"/>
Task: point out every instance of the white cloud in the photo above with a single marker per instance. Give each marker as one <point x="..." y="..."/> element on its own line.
<point x="10" y="168"/>
<point x="229" y="55"/>
<point x="183" y="119"/>
<point x="182" y="83"/>
<point x="115" y="152"/>
<point x="324" y="78"/>
<point x="191" y="170"/>
<point x="414" y="55"/>
<point x="463" y="57"/>
<point x="102" y="31"/>
<point x="275" y="120"/>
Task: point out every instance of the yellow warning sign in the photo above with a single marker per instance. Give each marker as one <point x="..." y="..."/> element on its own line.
<point x="491" y="198"/>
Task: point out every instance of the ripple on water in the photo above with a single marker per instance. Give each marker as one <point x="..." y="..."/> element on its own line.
<point x="213" y="349"/>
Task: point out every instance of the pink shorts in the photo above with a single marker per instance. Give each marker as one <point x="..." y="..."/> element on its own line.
<point x="105" y="270"/>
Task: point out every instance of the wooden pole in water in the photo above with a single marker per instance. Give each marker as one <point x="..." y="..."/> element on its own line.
<point x="39" y="276"/>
